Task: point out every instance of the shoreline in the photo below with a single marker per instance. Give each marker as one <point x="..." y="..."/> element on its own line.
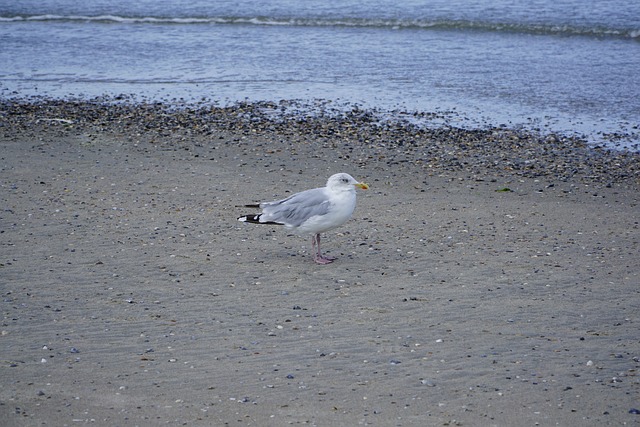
<point x="440" y="147"/>
<point x="487" y="277"/>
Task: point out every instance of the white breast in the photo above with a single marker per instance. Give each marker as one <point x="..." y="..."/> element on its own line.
<point x="343" y="204"/>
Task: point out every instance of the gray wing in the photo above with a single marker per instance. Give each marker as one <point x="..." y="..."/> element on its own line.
<point x="297" y="208"/>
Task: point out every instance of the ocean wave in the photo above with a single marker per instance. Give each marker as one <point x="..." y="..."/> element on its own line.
<point x="381" y="23"/>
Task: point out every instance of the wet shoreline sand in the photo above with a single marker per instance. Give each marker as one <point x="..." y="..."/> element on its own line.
<point x="488" y="277"/>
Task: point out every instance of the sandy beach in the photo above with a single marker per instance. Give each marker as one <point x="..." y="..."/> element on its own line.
<point x="487" y="278"/>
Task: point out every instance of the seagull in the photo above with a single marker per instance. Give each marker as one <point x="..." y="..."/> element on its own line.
<point x="312" y="211"/>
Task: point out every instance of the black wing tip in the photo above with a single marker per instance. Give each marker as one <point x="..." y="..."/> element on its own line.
<point x="255" y="219"/>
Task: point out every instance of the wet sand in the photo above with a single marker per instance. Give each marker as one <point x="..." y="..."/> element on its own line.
<point x="486" y="278"/>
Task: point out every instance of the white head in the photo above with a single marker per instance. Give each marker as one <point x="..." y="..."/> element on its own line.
<point x="344" y="182"/>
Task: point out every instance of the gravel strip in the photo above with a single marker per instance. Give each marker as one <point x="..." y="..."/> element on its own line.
<point x="368" y="137"/>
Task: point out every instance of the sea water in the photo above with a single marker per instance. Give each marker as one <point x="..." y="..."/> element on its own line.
<point x="569" y="66"/>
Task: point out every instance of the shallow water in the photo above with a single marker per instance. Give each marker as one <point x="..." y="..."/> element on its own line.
<point x="554" y="66"/>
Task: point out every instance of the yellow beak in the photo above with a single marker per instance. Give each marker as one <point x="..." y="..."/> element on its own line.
<point x="362" y="185"/>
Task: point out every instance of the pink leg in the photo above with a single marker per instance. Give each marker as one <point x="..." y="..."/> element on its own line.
<point x="317" y="257"/>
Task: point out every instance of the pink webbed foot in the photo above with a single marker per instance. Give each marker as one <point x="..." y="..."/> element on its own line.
<point x="318" y="257"/>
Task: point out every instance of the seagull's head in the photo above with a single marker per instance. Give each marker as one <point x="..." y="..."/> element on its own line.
<point x="344" y="181"/>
